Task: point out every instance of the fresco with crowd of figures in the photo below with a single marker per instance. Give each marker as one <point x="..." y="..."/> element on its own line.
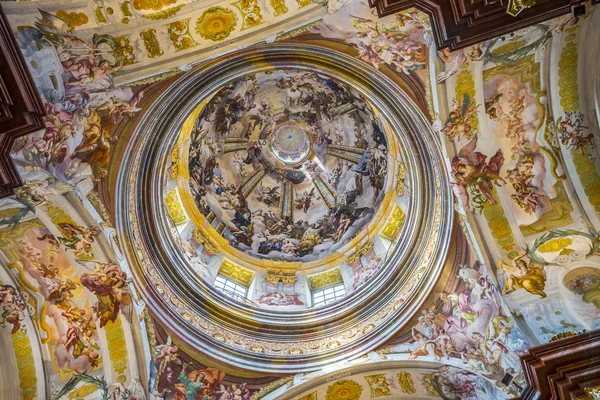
<point x="520" y="148"/>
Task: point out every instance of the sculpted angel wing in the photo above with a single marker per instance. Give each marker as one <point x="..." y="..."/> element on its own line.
<point x="468" y="149"/>
<point x="452" y="66"/>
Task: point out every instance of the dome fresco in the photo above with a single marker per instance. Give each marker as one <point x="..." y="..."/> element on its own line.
<point x="292" y="162"/>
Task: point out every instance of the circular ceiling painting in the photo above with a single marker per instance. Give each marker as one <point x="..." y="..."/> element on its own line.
<point x="292" y="162"/>
<point x="288" y="187"/>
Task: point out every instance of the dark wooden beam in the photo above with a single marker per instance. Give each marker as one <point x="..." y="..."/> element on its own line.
<point x="21" y="108"/>
<point x="460" y="23"/>
<point x="562" y="369"/>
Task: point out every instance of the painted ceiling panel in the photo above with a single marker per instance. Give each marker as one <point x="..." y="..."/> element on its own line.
<point x="512" y="120"/>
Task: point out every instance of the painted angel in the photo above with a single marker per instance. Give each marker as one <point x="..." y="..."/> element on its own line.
<point x="268" y="195"/>
<point x="472" y="173"/>
<point x="460" y="119"/>
<point x="523" y="276"/>
<point x="78" y="238"/>
<point x="109" y="283"/>
<point x="304" y="200"/>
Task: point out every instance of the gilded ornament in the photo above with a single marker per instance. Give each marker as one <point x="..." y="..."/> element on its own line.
<point x="175" y="208"/>
<point x="364" y="249"/>
<point x="516" y="6"/>
<point x="124" y="50"/>
<point x="179" y="33"/>
<point x="344" y="390"/>
<point x="325" y="279"/>
<point x="310" y="396"/>
<point x="251" y="14"/>
<point x="593" y="393"/>
<point x="401" y="175"/>
<point x="406" y="383"/>
<point x="279" y="7"/>
<point x="72" y="19"/>
<point x="154" y="5"/>
<point x="236" y="273"/>
<point x="175" y="151"/>
<point x="208" y="246"/>
<point x="379" y="385"/>
<point x="279" y="276"/>
<point x="216" y="23"/>
<point x="303" y="3"/>
<point x="163" y="14"/>
<point x="393" y="224"/>
<point x="151" y="43"/>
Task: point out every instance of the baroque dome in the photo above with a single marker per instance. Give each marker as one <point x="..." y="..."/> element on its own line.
<point x="292" y="162"/>
<point x="269" y="176"/>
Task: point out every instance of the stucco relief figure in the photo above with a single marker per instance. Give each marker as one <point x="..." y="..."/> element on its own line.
<point x="475" y="177"/>
<point x="75" y="333"/>
<point x="94" y="149"/>
<point x="109" y="283"/>
<point x="82" y="89"/>
<point x="78" y="238"/>
<point x="523" y="276"/>
<point x="12" y="307"/>
<point x="33" y="193"/>
<point x="162" y="377"/>
<point x="571" y="132"/>
<point x="458" y="124"/>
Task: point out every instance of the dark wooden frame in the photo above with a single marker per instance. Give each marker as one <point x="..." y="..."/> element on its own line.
<point x="562" y="369"/>
<point x="21" y="108"/>
<point x="460" y="23"/>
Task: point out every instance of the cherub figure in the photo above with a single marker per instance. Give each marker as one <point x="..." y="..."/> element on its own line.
<point x="78" y="238"/>
<point x="460" y="119"/>
<point x="109" y="283"/>
<point x="471" y="171"/>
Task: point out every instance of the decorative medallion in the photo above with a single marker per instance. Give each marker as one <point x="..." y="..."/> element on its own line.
<point x="343" y="390"/>
<point x="216" y="23"/>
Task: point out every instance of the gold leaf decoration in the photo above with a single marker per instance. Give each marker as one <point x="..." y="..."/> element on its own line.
<point x="216" y="23"/>
<point x="343" y="390"/>
<point x="279" y="7"/>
